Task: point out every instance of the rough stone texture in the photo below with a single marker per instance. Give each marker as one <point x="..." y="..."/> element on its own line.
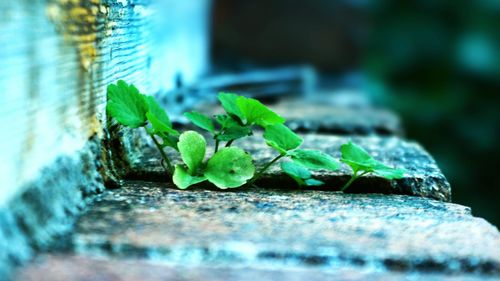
<point x="47" y="207"/>
<point x="287" y="229"/>
<point x="58" y="57"/>
<point x="423" y="177"/>
<point x="81" y="268"/>
<point x="325" y="117"/>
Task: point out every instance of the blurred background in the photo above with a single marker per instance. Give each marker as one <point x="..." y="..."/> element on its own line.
<point x="436" y="63"/>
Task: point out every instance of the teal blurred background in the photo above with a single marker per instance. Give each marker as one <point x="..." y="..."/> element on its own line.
<point x="437" y="63"/>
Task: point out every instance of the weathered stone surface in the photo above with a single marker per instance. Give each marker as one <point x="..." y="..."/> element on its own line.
<point x="47" y="207"/>
<point x="58" y="57"/>
<point x="295" y="228"/>
<point x="82" y="268"/>
<point x="325" y="116"/>
<point x="423" y="177"/>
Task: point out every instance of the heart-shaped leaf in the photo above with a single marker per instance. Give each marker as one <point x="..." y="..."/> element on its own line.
<point x="229" y="168"/>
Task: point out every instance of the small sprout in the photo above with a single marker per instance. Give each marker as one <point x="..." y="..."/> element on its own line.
<point x="229" y="168"/>
<point x="232" y="167"/>
<point x="362" y="163"/>
<point x="286" y="142"/>
<point x="133" y="109"/>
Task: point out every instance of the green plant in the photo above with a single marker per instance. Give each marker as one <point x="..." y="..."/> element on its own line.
<point x="134" y="110"/>
<point x="231" y="167"/>
<point x="362" y="163"/>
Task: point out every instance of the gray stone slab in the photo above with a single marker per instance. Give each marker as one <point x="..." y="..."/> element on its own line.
<point x="83" y="268"/>
<point x="322" y="116"/>
<point x="423" y="176"/>
<point x="287" y="229"/>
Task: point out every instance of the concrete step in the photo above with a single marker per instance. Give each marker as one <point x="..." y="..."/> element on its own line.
<point x="156" y="230"/>
<point x="84" y="268"/>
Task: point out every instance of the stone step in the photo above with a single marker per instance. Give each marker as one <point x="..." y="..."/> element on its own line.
<point x="84" y="268"/>
<point x="330" y="115"/>
<point x="294" y="229"/>
<point x="423" y="177"/>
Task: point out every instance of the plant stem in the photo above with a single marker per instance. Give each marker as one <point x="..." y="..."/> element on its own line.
<point x="351" y="180"/>
<point x="354" y="177"/>
<point x="216" y="146"/>
<point x="163" y="155"/>
<point x="228" y="144"/>
<point x="259" y="174"/>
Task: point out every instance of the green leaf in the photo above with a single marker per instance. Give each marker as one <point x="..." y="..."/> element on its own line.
<point x="192" y="147"/>
<point x="201" y="120"/>
<point x="169" y="140"/>
<point x="233" y="133"/>
<point x="182" y="179"/>
<point x="359" y="160"/>
<point x="228" y="102"/>
<point x="299" y="173"/>
<point x="126" y="104"/>
<point x="313" y="182"/>
<point x="158" y="118"/>
<point x="388" y="172"/>
<point x="159" y="127"/>
<point x="254" y="112"/>
<point x="226" y="121"/>
<point x="155" y="109"/>
<point x="314" y="159"/>
<point x="296" y="171"/>
<point x="281" y="138"/>
<point x="229" y="168"/>
<point x="231" y="129"/>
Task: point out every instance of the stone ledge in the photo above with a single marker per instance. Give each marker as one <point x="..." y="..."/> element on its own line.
<point x="423" y="177"/>
<point x="82" y="268"/>
<point x="324" y="117"/>
<point x="270" y="227"/>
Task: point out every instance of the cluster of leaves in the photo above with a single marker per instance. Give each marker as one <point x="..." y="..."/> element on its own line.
<point x="230" y="166"/>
